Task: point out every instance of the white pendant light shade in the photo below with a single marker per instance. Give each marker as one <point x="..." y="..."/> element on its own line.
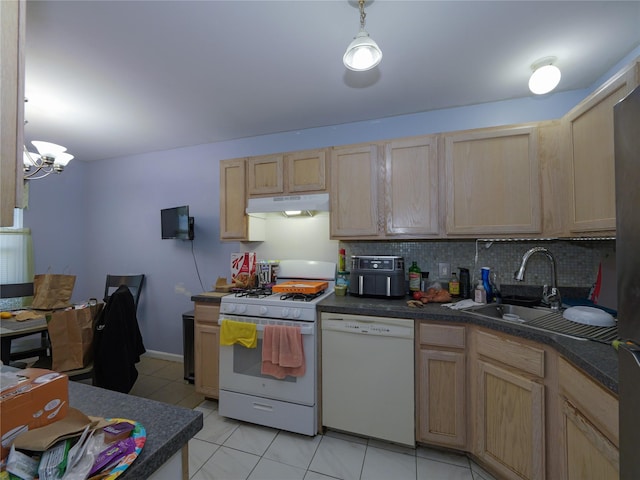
<point x="63" y="159"/>
<point x="363" y="53"/>
<point x="544" y="79"/>
<point x="27" y="159"/>
<point x="47" y="149"/>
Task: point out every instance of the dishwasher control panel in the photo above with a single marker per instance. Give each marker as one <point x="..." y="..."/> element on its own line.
<point x="391" y="327"/>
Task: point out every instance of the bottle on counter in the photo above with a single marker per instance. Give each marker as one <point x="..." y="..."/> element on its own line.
<point x="424" y="281"/>
<point x="414" y="277"/>
<point x="480" y="294"/>
<point x="342" y="260"/>
<point x="486" y="283"/>
<point x="465" y="283"/>
<point x="454" y="285"/>
<point x="496" y="296"/>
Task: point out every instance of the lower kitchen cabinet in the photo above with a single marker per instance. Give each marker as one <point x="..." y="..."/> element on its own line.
<point x="207" y="346"/>
<point x="518" y="407"/>
<point x="441" y="392"/>
<point x="588" y="427"/>
<point x="510" y="399"/>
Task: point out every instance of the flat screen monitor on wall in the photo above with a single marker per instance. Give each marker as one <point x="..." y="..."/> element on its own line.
<point x="176" y="223"/>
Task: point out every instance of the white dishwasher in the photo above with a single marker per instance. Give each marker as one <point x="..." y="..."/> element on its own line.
<point x="368" y="376"/>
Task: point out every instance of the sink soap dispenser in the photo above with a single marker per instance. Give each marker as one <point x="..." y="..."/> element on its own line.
<point x="480" y="294"/>
<point x="486" y="283"/>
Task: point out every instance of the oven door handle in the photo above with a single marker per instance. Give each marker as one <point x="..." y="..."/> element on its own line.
<point x="305" y="329"/>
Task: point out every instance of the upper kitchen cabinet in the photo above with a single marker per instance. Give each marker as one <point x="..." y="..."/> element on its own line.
<point x="12" y="36"/>
<point x="411" y="187"/>
<point x="295" y="172"/>
<point x="589" y="151"/>
<point x="492" y="182"/>
<point x="306" y="171"/>
<point x="354" y="192"/>
<point x="234" y="222"/>
<point x="266" y="175"/>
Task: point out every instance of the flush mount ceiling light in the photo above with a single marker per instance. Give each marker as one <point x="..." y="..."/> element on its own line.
<point x="51" y="158"/>
<point x="545" y="76"/>
<point x="363" y="52"/>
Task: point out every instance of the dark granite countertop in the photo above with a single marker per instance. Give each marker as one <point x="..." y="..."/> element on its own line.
<point x="168" y="427"/>
<point x="598" y="360"/>
<point x="208" y="297"/>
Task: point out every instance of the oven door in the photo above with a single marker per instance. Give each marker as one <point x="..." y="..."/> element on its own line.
<point x="240" y="366"/>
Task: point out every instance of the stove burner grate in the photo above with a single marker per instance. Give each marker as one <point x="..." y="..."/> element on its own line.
<point x="301" y="297"/>
<point x="253" y="292"/>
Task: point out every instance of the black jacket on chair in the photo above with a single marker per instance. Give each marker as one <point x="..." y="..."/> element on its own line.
<point x="117" y="343"/>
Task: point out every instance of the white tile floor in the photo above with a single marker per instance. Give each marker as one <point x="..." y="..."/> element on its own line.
<point x="230" y="450"/>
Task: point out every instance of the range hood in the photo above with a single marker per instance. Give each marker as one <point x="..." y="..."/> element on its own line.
<point x="318" y="202"/>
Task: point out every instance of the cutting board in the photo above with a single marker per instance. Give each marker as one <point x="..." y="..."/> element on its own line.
<point x="300" y="286"/>
<point x="609" y="287"/>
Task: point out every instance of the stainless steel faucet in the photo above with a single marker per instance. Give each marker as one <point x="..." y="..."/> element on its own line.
<point x="551" y="298"/>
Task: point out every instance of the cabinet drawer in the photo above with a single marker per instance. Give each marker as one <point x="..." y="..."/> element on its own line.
<point x="442" y="335"/>
<point x="512" y="353"/>
<point x="598" y="405"/>
<point x="207" y="313"/>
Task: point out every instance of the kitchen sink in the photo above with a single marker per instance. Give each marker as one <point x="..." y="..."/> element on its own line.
<point x="514" y="313"/>
<point x="546" y="320"/>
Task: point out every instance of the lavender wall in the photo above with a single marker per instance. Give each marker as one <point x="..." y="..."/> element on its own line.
<point x="104" y="217"/>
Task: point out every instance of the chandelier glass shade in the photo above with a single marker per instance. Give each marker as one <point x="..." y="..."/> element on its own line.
<point x="51" y="158"/>
<point x="363" y="52"/>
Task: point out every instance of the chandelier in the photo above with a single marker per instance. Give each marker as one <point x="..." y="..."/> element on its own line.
<point x="51" y="158"/>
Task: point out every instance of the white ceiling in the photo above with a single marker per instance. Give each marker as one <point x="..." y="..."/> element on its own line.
<point x="113" y="78"/>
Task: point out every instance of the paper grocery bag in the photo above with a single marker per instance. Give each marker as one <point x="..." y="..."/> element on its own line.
<point x="71" y="335"/>
<point x="51" y="291"/>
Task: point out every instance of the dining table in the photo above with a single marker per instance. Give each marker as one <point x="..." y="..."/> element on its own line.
<point x="11" y="329"/>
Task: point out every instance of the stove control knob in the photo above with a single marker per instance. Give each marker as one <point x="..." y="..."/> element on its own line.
<point x="285" y="312"/>
<point x="230" y="308"/>
<point x="296" y="313"/>
<point x="242" y="308"/>
<point x="263" y="310"/>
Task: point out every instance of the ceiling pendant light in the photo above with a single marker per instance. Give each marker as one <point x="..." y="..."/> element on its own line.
<point x="363" y="52"/>
<point x="545" y="76"/>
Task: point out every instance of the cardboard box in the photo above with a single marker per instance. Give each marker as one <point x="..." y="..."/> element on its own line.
<point x="41" y="397"/>
<point x="243" y="268"/>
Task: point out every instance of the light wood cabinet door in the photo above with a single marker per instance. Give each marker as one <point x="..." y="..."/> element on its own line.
<point x="441" y="398"/>
<point x="588" y="134"/>
<point x="233" y="220"/>
<point x="306" y="171"/>
<point x="510" y="424"/>
<point x="589" y="455"/>
<point x="588" y="426"/>
<point x="206" y="349"/>
<point x="354" y="192"/>
<point x="13" y="17"/>
<point x="411" y="187"/>
<point x="265" y="175"/>
<point x="492" y="181"/>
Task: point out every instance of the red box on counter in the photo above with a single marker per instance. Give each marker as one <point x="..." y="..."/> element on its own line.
<point x="39" y="398"/>
<point x="243" y="267"/>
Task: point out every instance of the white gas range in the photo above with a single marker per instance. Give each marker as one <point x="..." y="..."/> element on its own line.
<point x="288" y="403"/>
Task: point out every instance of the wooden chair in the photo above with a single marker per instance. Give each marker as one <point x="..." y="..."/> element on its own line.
<point x="133" y="282"/>
<point x="17" y="295"/>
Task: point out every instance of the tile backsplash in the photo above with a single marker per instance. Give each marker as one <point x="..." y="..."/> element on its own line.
<point x="577" y="261"/>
